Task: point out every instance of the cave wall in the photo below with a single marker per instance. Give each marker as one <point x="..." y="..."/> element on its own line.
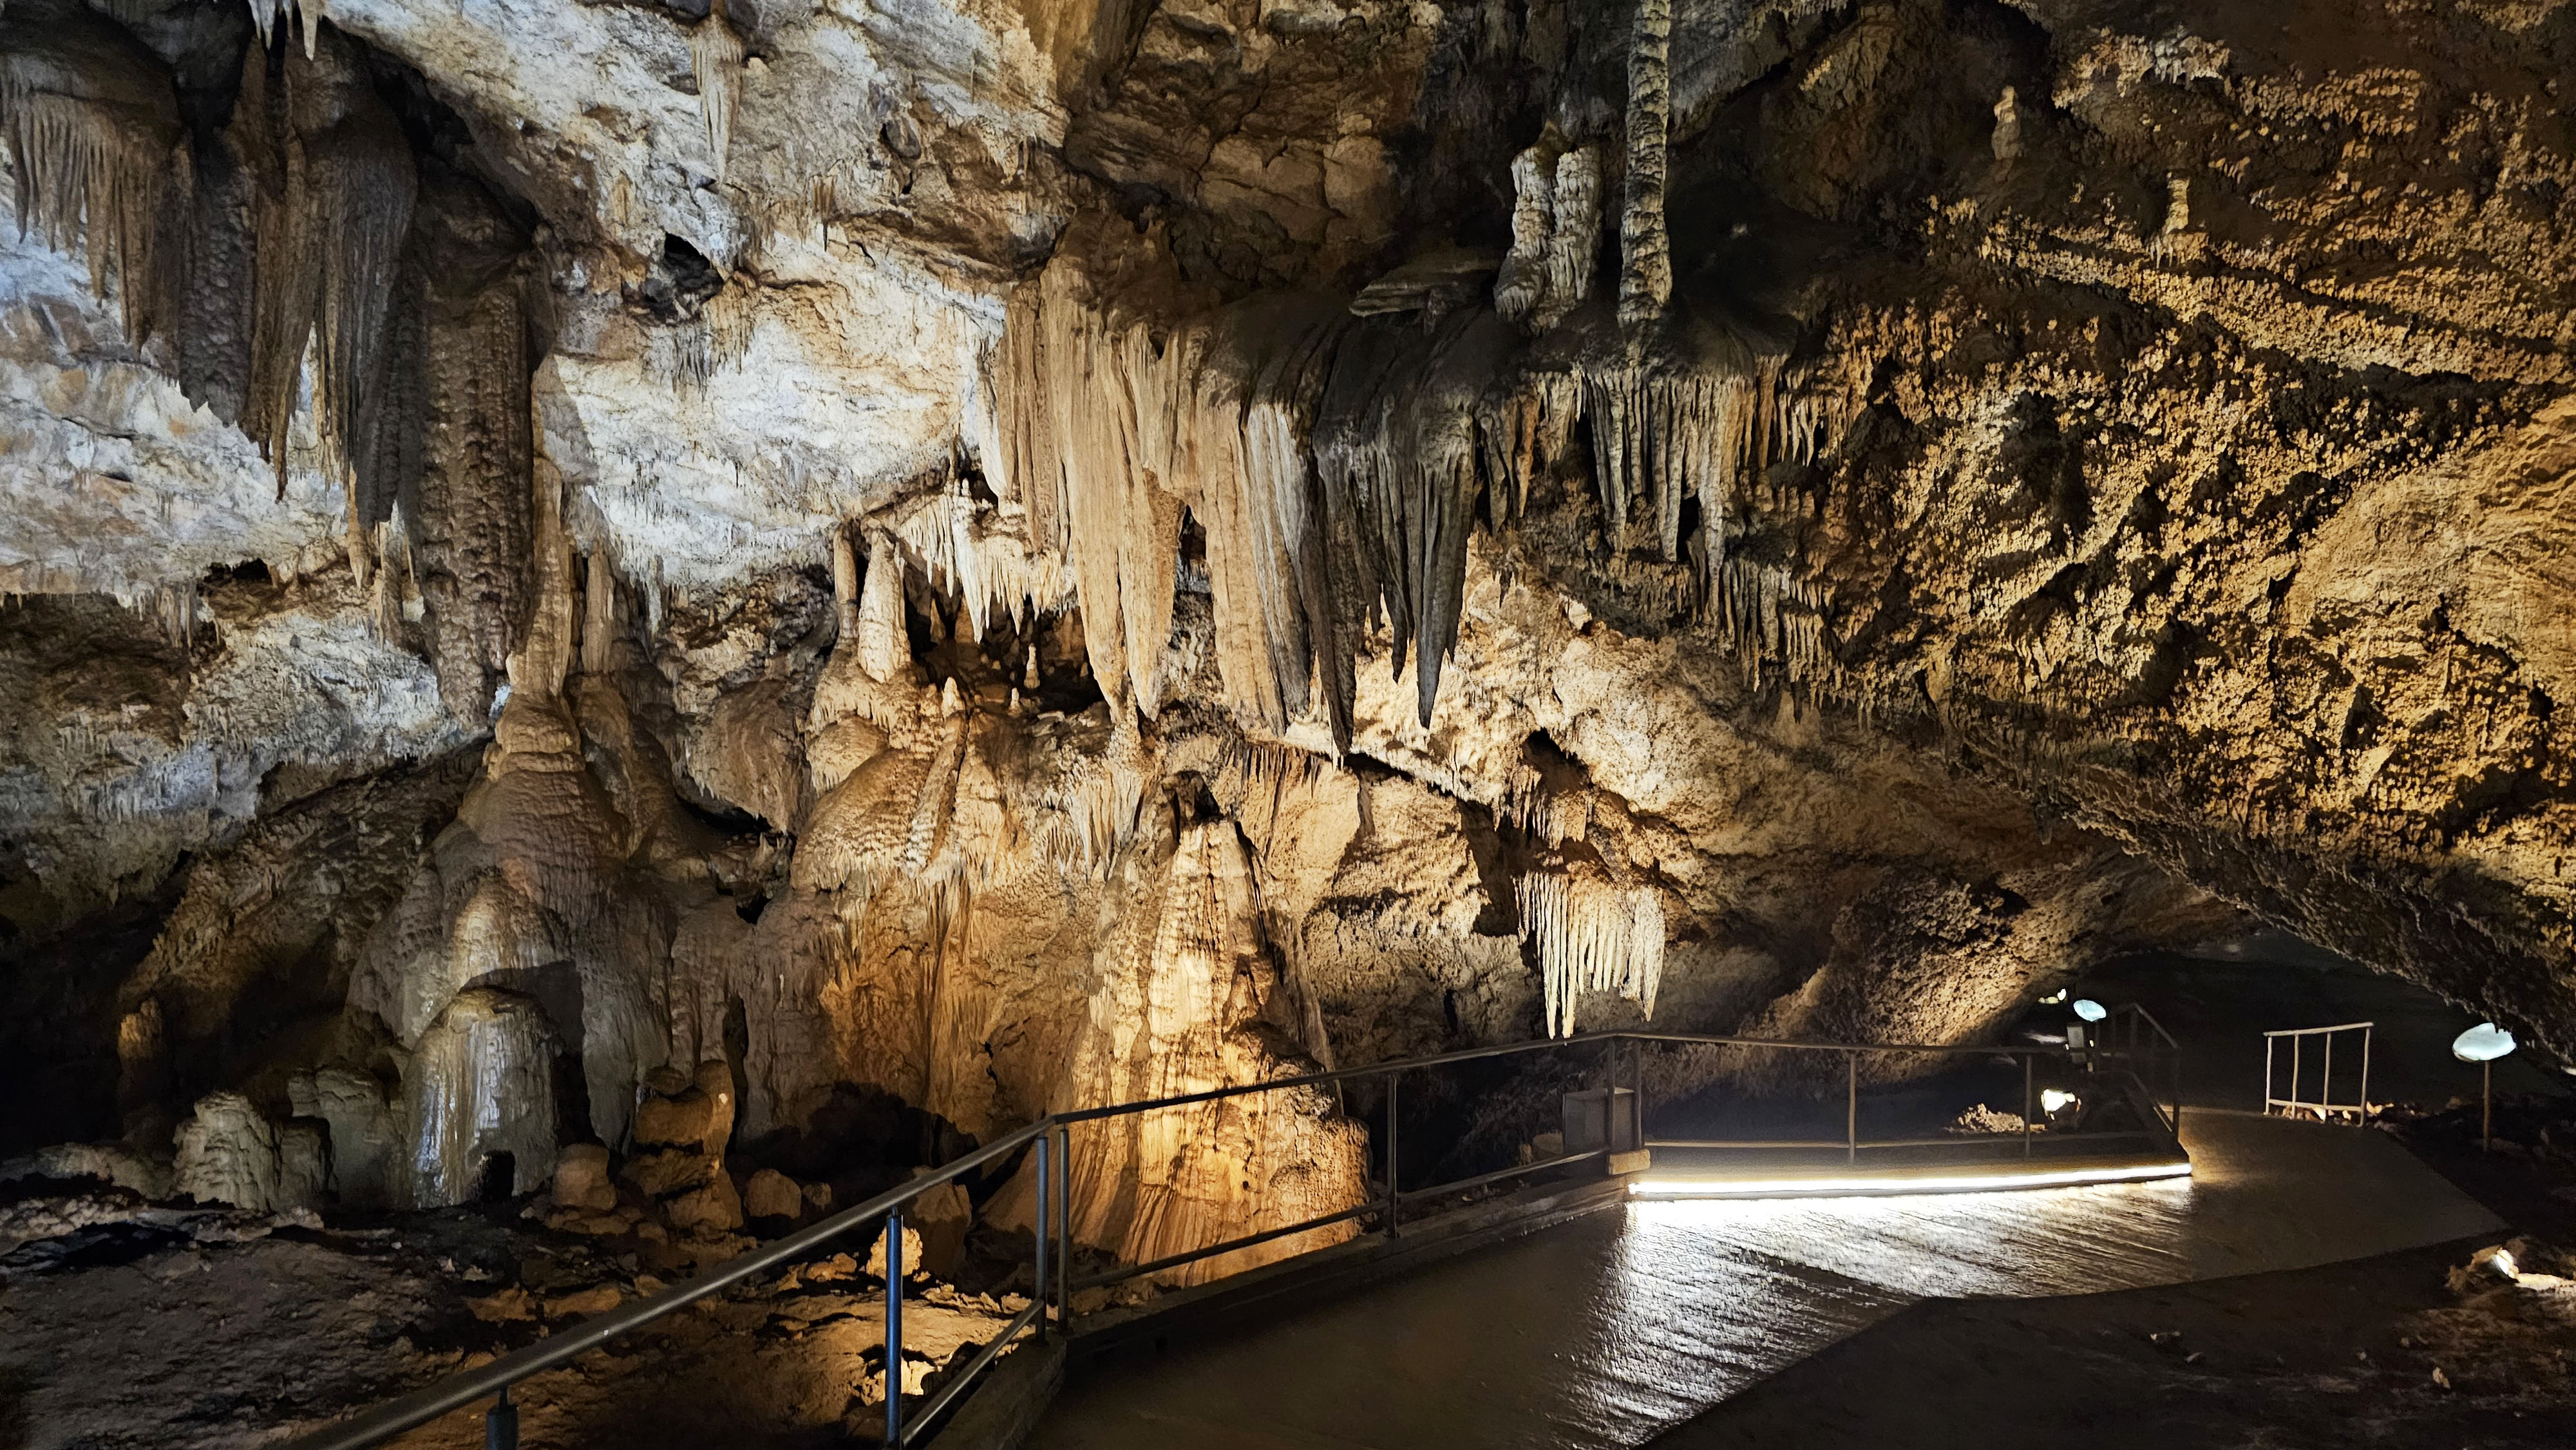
<point x="1015" y="556"/>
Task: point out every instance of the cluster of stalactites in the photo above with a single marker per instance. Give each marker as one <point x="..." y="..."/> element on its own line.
<point x="1592" y="934"/>
<point x="1332" y="464"/>
<point x="301" y="253"/>
<point x="970" y="549"/>
<point x="1660" y="439"/>
<point x="91" y="126"/>
<point x="715" y="60"/>
<point x="333" y="186"/>
<point x="1529" y="807"/>
<point x="271" y="16"/>
<point x="1772" y="614"/>
<point x="1556" y="227"/>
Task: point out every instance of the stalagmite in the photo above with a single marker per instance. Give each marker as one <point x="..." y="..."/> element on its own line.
<point x="1646" y="274"/>
<point x="1570" y="252"/>
<point x="1523" y="284"/>
<point x="480" y="1085"/>
<point x="229" y="1152"/>
<point x="1556" y="225"/>
<point x="1190" y="987"/>
<point x="1592" y="935"/>
<point x="366" y="1142"/>
<point x="883" y="650"/>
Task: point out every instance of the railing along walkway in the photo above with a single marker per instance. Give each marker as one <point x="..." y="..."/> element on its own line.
<point x="1050" y="1141"/>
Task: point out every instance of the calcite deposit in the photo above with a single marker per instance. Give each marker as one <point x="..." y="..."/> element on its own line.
<point x="905" y="567"/>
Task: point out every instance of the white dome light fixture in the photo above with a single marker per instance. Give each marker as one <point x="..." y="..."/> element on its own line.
<point x="2089" y="1010"/>
<point x="2483" y="1043"/>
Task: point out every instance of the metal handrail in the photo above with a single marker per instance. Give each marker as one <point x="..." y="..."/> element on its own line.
<point x="1054" y="1182"/>
<point x="458" y="1391"/>
<point x="2170" y="1108"/>
<point x="2325" y="1105"/>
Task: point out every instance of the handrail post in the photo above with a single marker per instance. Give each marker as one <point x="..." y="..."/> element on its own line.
<point x="2365" y="1073"/>
<point x="1064" y="1225"/>
<point x="894" y="1328"/>
<point x="1394" y="1200"/>
<point x="2029" y="1066"/>
<point x="501" y="1424"/>
<point x="1046" y="1222"/>
<point x="1851" y="1107"/>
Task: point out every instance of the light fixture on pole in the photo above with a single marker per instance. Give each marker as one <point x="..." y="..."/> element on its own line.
<point x="2483" y="1044"/>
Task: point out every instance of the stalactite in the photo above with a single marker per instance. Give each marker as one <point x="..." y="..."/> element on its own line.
<point x="966" y="548"/>
<point x="1258" y="502"/>
<point x="1646" y="273"/>
<point x="1592" y="934"/>
<point x="599" y="615"/>
<point x="1529" y="807"/>
<point x="472" y="528"/>
<point x="715" y="59"/>
<point x="1333" y="466"/>
<point x="1397" y="449"/>
<point x="1122" y="528"/>
<point x="334" y="188"/>
<point x="91" y="125"/>
<point x="272" y="15"/>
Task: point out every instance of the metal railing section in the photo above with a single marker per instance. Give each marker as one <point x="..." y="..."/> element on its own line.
<point x="2150" y="1055"/>
<point x="1050" y="1310"/>
<point x="2133" y="1037"/>
<point x="2324" y="1104"/>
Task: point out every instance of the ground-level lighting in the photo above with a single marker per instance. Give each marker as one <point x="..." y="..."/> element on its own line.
<point x="1854" y="1185"/>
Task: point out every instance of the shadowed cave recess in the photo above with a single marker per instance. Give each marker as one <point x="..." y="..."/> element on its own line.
<point x="628" y="620"/>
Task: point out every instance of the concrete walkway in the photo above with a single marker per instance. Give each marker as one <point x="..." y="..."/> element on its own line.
<point x="1611" y="1330"/>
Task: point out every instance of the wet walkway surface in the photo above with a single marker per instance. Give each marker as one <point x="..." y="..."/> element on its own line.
<point x="1613" y="1329"/>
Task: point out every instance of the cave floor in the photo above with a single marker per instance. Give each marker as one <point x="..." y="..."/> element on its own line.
<point x="2331" y="1356"/>
<point x="1621" y="1327"/>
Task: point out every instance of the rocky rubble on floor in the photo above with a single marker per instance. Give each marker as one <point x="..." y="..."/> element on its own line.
<point x="2511" y="1337"/>
<point x="1982" y="1119"/>
<point x="323" y="1319"/>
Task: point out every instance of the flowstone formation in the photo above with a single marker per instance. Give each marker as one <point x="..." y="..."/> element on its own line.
<point x="931" y="567"/>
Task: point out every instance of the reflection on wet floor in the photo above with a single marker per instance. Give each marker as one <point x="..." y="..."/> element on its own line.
<point x="1614" y="1328"/>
